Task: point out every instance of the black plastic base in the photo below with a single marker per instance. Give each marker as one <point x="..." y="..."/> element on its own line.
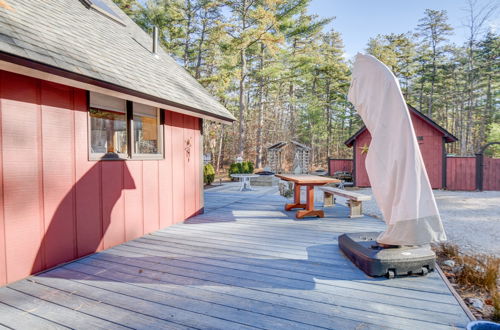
<point x="363" y="251"/>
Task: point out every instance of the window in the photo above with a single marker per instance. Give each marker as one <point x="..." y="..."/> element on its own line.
<point x="108" y="126"/>
<point x="121" y="129"/>
<point x="103" y="8"/>
<point x="146" y="126"/>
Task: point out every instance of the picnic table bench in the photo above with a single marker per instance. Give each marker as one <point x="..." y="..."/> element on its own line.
<point x="309" y="181"/>
<point x="354" y="200"/>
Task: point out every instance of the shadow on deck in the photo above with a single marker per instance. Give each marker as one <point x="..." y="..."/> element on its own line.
<point x="245" y="263"/>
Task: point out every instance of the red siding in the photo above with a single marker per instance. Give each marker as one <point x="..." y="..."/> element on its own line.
<point x="197" y="163"/>
<point x="461" y="173"/>
<point x="340" y="165"/>
<point x="3" y="271"/>
<point x="178" y="169"/>
<point x="58" y="173"/>
<point x="22" y="175"/>
<point x="431" y="147"/>
<point x="189" y="167"/>
<point x="88" y="192"/>
<point x="150" y="188"/>
<point x="113" y="207"/>
<point x="362" y="141"/>
<point x="165" y="177"/>
<point x="491" y="174"/>
<point x="134" y="216"/>
<point x="56" y="204"/>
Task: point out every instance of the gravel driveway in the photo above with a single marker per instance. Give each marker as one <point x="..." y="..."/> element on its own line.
<point x="471" y="219"/>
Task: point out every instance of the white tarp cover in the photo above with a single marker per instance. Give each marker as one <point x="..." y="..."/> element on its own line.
<point x="394" y="163"/>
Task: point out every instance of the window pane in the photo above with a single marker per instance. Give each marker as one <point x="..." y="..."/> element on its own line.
<point x="108" y="132"/>
<point x="146" y="134"/>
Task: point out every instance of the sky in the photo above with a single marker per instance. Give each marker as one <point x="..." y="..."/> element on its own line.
<point x="360" y="20"/>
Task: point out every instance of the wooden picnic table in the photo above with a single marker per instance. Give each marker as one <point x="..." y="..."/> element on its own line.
<point x="309" y="181"/>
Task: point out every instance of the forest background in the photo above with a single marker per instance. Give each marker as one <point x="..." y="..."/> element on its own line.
<point x="273" y="65"/>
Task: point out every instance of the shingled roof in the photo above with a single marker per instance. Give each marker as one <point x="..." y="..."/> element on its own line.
<point x="448" y="137"/>
<point x="72" y="39"/>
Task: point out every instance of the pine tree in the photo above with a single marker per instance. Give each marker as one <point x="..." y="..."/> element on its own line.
<point x="434" y="29"/>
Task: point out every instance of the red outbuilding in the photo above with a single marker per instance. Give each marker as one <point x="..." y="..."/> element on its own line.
<point x="431" y="138"/>
<point x="100" y="133"/>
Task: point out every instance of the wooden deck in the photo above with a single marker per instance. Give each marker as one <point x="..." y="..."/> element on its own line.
<point x="243" y="264"/>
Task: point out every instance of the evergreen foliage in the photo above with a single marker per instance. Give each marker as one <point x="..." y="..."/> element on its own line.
<point x="241" y="168"/>
<point x="284" y="78"/>
<point x="208" y="174"/>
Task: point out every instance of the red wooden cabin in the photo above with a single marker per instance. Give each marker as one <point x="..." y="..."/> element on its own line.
<point x="431" y="138"/>
<point x="100" y="136"/>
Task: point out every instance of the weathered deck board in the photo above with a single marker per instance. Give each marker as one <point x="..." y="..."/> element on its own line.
<point x="69" y="295"/>
<point x="54" y="312"/>
<point x="245" y="263"/>
<point x="338" y="293"/>
<point x="11" y="316"/>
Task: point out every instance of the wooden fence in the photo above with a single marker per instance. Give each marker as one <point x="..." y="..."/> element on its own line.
<point x="460" y="172"/>
<point x="336" y="164"/>
<point x="491" y="173"/>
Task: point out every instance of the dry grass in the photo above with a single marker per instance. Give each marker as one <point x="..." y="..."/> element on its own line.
<point x="474" y="275"/>
<point x="496" y="305"/>
<point x="479" y="272"/>
<point x="448" y="250"/>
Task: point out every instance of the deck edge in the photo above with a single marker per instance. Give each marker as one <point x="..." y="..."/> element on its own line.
<point x="455" y="294"/>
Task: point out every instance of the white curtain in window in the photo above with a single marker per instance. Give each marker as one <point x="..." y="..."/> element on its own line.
<point x="107" y="102"/>
<point x="144" y="110"/>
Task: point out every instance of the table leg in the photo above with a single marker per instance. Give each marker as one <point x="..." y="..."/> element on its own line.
<point x="296" y="200"/>
<point x="246" y="185"/>
<point x="310" y="211"/>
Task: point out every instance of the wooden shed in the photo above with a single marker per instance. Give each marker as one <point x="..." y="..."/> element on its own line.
<point x="286" y="157"/>
<point x="100" y="134"/>
<point x="431" y="138"/>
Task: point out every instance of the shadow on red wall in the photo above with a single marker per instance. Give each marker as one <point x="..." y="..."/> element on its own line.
<point x="81" y="220"/>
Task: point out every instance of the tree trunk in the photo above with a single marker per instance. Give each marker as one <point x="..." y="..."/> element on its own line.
<point x="421" y="96"/>
<point x="291" y="94"/>
<point x="242" y="91"/>
<point x="470" y="89"/>
<point x="219" y="155"/>
<point x="328" y="120"/>
<point x="200" y="44"/>
<point x="260" y="114"/>
<point x="433" y="80"/>
<point x="188" y="34"/>
<point x="488" y="110"/>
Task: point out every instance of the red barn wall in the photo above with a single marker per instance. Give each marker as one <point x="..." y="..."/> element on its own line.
<point x="431" y="147"/>
<point x="56" y="205"/>
<point x="362" y="140"/>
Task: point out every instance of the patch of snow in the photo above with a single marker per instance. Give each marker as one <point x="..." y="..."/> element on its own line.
<point x="450" y="263"/>
<point x="476" y="303"/>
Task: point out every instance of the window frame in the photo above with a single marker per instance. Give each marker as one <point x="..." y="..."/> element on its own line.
<point x="130" y="154"/>
<point x="136" y="155"/>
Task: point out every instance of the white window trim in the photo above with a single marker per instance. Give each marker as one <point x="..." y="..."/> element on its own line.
<point x="161" y="153"/>
<point x="105" y="102"/>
